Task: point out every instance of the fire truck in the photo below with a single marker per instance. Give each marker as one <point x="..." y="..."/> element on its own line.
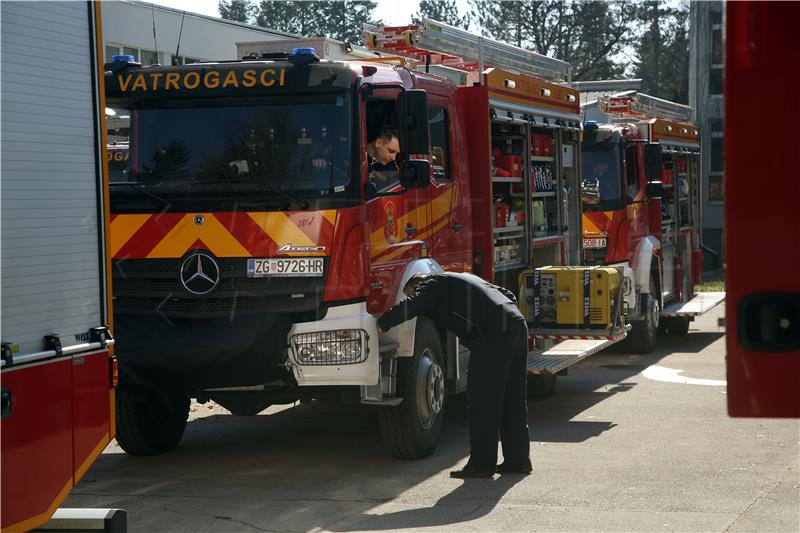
<point x="58" y="370"/>
<point x="641" y="210"/>
<point x="253" y="249"/>
<point x="763" y="314"/>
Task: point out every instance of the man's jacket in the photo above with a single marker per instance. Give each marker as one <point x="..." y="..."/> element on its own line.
<point x="462" y="303"/>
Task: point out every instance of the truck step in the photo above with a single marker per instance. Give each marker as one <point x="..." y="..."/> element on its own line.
<point x="565" y="354"/>
<point x="698" y="305"/>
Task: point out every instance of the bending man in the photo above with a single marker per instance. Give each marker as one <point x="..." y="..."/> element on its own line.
<point x="486" y="320"/>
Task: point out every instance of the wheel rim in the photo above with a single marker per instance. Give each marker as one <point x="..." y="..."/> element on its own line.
<point x="430" y="389"/>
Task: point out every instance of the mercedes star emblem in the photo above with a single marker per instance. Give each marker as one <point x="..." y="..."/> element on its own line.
<point x="199" y="273"/>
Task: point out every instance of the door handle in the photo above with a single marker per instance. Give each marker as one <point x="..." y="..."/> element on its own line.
<point x="7" y="401"/>
<point x="411" y="230"/>
<point x="458" y="227"/>
<point x="770" y="322"/>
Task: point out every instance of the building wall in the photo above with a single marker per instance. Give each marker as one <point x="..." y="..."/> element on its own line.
<point x="705" y="96"/>
<point x="128" y="26"/>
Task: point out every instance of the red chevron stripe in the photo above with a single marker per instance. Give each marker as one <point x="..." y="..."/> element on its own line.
<point x="248" y="233"/>
<point x="149" y="235"/>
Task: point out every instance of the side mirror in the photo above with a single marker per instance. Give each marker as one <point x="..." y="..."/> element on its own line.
<point x="413" y="121"/>
<point x="652" y="161"/>
<point x="415" y="174"/>
<point x="655" y="189"/>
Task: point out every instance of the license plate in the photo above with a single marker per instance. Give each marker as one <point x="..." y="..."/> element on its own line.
<point x="290" y="267"/>
<point x="595" y="243"/>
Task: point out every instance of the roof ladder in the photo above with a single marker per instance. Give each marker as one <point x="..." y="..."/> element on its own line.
<point x="438" y="43"/>
<point x="646" y="106"/>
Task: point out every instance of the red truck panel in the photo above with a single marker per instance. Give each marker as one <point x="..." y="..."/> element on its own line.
<point x="760" y="199"/>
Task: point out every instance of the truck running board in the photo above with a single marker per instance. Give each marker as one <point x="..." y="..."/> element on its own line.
<point x="568" y="352"/>
<point x="698" y="305"/>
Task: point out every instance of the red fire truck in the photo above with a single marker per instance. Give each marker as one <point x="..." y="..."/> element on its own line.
<point x="247" y="273"/>
<point x="763" y="314"/>
<point x="57" y="354"/>
<point x="641" y="180"/>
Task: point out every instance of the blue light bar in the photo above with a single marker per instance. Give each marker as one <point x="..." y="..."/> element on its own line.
<point x="124" y="59"/>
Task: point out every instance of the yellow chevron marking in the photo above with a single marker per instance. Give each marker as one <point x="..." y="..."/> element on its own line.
<point x="589" y="226"/>
<point x="282" y="230"/>
<point x="219" y="240"/>
<point x="330" y="214"/>
<point x="123" y="228"/>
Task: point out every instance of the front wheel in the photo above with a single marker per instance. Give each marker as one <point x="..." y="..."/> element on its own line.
<point x="153" y="424"/>
<point x="644" y="332"/>
<point x="411" y="430"/>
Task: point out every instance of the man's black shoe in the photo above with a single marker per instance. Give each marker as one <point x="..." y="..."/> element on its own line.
<point x="471" y="472"/>
<point x="506" y="468"/>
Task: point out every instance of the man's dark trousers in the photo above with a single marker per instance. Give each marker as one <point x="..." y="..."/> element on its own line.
<point x="497" y="395"/>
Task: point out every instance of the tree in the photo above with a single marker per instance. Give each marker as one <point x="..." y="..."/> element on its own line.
<point x="238" y="10"/>
<point x="344" y="19"/>
<point x="585" y="34"/>
<point x="291" y="17"/>
<point x="441" y="11"/>
<point x="662" y="53"/>
<point x="341" y="20"/>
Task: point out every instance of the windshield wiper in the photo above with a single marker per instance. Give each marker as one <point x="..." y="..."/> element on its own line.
<point x="140" y="188"/>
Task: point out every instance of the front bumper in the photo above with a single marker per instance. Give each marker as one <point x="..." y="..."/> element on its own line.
<point x="348" y="369"/>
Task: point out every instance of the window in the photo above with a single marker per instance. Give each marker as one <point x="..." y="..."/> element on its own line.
<point x="143" y="56"/>
<point x="440" y="147"/>
<point x="183" y="60"/>
<point x="716" y="186"/>
<point x="715" y="85"/>
<point x="631" y="176"/>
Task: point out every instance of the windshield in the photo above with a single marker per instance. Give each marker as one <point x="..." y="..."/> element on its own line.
<point x="255" y="153"/>
<point x="601" y="176"/>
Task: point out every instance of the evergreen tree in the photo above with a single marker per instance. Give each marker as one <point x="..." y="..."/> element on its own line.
<point x="441" y="11"/>
<point x="297" y="17"/>
<point x="662" y="53"/>
<point x="340" y="20"/>
<point x="585" y="34"/>
<point x="238" y="10"/>
<point x="344" y="19"/>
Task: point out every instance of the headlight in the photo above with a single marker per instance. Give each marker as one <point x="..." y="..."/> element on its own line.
<point x="337" y="347"/>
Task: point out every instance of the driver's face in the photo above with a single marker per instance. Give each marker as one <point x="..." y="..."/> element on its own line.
<point x="386" y="151"/>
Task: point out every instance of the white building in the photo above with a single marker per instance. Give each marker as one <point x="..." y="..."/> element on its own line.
<point x="128" y="29"/>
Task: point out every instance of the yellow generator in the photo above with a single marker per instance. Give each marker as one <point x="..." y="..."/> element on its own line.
<point x="568" y="298"/>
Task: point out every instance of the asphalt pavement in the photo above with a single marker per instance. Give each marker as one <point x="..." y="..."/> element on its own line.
<point x="627" y="443"/>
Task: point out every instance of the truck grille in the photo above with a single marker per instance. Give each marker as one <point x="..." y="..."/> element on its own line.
<point x="147" y="286"/>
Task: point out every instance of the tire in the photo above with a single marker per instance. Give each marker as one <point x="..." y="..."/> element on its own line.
<point x="677" y="326"/>
<point x="411" y="430"/>
<point x="153" y="426"/>
<point x="541" y="386"/>
<point x="643" y="335"/>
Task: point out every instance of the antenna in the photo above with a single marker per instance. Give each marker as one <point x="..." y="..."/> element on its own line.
<point x="180" y="34"/>
<point x="155" y="40"/>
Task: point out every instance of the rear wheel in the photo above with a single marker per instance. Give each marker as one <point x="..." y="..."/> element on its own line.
<point x="642" y="338"/>
<point x="411" y="430"/>
<point x="541" y="386"/>
<point x="152" y="424"/>
<point x="676" y="326"/>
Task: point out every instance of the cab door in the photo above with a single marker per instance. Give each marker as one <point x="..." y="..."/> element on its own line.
<point x="446" y="224"/>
